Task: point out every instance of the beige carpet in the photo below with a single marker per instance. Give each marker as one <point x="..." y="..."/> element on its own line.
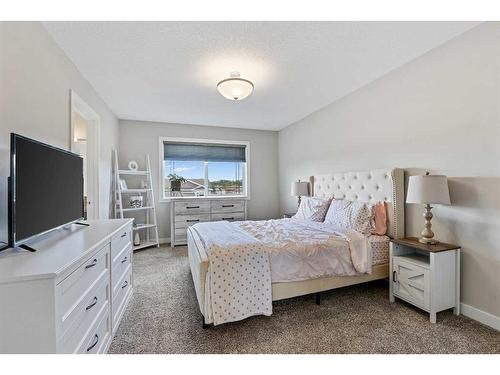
<point x="163" y="317"/>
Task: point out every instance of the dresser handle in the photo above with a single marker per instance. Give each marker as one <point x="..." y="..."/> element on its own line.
<point x="227" y="205"/>
<point x="124" y="234"/>
<point x="192" y="221"/>
<point x="125" y="284"/>
<point x="92" y="304"/>
<point x="193" y="207"/>
<point x="394" y="276"/>
<point x="94" y="263"/>
<point x="96" y="338"/>
<point x="228" y="218"/>
<point x="124" y="259"/>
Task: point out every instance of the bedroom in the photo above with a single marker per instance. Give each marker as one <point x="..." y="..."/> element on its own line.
<point x="302" y="144"/>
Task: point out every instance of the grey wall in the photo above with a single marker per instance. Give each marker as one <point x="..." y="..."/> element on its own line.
<point x="138" y="138"/>
<point x="440" y="113"/>
<point x="35" y="82"/>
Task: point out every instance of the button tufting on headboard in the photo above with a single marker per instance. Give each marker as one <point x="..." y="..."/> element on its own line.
<point x="371" y="187"/>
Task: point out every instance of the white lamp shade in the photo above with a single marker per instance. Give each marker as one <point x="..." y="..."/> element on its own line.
<point x="428" y="189"/>
<point x="299" y="188"/>
<point x="235" y="88"/>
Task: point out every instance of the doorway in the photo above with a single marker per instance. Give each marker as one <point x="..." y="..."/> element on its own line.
<point x="85" y="126"/>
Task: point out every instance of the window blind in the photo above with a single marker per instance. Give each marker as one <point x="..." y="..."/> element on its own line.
<point x="204" y="152"/>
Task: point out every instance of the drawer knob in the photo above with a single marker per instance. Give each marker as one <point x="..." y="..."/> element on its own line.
<point x="193" y="207"/>
<point x="96" y="340"/>
<point x="92" y="304"/>
<point x="227" y="205"/>
<point x="94" y="263"/>
<point x="124" y="234"/>
<point x="192" y="221"/>
<point x="228" y="218"/>
<point x="125" y="284"/>
<point x="394" y="276"/>
<point x="124" y="259"/>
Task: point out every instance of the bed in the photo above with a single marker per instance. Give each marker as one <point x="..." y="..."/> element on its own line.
<point x="369" y="186"/>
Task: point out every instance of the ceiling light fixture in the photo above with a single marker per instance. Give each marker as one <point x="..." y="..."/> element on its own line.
<point x="235" y="88"/>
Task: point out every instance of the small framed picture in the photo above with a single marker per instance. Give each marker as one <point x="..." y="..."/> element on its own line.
<point x="123" y="184"/>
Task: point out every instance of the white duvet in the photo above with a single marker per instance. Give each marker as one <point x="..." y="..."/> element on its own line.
<point x="246" y="257"/>
<point x="301" y="250"/>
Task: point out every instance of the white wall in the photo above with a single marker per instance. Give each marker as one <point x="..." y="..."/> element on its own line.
<point x="440" y="113"/>
<point x="35" y="82"/>
<point x="138" y="138"/>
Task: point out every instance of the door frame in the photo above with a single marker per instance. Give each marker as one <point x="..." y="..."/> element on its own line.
<point x="78" y="105"/>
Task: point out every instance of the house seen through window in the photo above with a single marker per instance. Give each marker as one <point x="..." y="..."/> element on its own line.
<point x="198" y="170"/>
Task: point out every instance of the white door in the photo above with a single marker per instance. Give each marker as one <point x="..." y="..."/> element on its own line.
<point x="85" y="125"/>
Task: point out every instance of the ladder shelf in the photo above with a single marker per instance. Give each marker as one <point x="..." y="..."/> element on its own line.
<point x="148" y="227"/>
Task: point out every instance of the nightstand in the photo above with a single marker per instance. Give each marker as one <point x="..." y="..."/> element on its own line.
<point x="288" y="216"/>
<point x="427" y="276"/>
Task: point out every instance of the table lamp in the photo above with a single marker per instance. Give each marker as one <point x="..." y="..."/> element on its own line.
<point x="428" y="189"/>
<point x="299" y="188"/>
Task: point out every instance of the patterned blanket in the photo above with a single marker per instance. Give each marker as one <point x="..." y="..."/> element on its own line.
<point x="238" y="283"/>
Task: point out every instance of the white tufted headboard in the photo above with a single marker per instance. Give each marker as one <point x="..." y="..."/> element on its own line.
<point x="377" y="185"/>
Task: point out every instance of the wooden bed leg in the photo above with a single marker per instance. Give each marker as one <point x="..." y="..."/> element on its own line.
<point x="318" y="298"/>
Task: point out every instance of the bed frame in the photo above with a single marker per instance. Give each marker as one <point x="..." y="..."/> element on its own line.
<point x="370" y="186"/>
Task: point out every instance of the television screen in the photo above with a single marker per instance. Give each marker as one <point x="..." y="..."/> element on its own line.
<point x="45" y="190"/>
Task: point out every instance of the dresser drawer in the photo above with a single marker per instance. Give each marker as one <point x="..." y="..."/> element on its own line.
<point x="119" y="264"/>
<point x="180" y="235"/>
<point x="184" y="221"/>
<point x="189" y="208"/>
<point x="229" y="216"/>
<point x="227" y="206"/>
<point x="121" y="291"/>
<point x="77" y="323"/>
<point x="76" y="285"/>
<point x="121" y="240"/>
<point x="411" y="283"/>
<point x="98" y="336"/>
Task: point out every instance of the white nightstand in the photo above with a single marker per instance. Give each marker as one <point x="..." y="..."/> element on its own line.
<point x="427" y="276"/>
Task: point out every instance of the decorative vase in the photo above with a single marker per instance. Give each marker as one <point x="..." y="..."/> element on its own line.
<point x="137" y="239"/>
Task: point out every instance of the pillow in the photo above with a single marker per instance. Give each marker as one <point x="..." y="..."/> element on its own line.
<point x="312" y="209"/>
<point x="379" y="222"/>
<point x="344" y="214"/>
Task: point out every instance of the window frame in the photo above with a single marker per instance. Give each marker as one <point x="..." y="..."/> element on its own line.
<point x="161" y="177"/>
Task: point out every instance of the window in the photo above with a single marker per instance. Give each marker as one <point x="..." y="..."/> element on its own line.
<point x="199" y="168"/>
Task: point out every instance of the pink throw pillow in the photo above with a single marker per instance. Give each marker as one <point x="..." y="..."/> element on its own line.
<point x="379" y="225"/>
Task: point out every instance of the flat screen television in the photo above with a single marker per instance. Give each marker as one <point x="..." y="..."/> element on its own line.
<point x="45" y="189"/>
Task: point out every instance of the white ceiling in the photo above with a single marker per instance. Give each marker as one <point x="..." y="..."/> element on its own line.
<point x="168" y="71"/>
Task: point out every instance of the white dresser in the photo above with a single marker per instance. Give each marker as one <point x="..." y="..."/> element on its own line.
<point x="189" y="211"/>
<point x="69" y="296"/>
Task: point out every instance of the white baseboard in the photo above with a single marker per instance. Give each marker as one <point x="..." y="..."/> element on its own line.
<point x="164" y="240"/>
<point x="481" y="316"/>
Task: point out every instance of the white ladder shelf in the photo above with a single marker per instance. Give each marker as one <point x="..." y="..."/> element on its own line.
<point x="148" y="230"/>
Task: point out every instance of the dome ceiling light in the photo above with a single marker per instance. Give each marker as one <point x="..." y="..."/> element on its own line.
<point x="235" y="88"/>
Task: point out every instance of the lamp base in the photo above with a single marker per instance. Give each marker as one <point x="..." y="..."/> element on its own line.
<point x="427" y="235"/>
<point x="428" y="241"/>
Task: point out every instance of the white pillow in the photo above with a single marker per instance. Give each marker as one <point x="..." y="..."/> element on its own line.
<point x="344" y="214"/>
<point x="312" y="209"/>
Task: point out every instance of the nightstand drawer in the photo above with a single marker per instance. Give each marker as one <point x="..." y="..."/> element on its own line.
<point x="411" y="282"/>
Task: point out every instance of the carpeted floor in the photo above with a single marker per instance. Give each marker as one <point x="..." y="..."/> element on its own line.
<point x="163" y="317"/>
